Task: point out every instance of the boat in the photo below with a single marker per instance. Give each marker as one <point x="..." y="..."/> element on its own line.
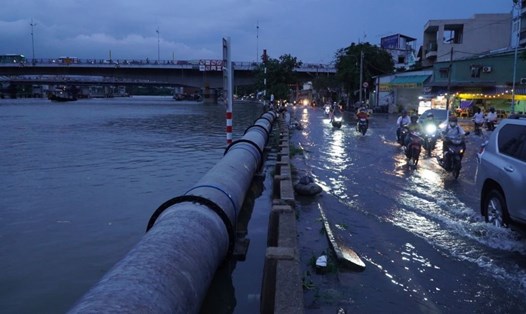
<point x="62" y="93"/>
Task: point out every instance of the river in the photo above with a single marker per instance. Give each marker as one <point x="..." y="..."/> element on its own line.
<point x="81" y="179"/>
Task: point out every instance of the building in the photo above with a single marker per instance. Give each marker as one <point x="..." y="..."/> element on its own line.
<point x="484" y="81"/>
<point x="460" y="38"/>
<point x="402" y="48"/>
<point x="396" y="92"/>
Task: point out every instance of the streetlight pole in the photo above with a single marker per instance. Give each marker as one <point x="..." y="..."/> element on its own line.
<point x="449" y="70"/>
<point x="158" y="46"/>
<point x="257" y="42"/>
<point x="518" y="30"/>
<point x="361" y="75"/>
<point x="32" y="40"/>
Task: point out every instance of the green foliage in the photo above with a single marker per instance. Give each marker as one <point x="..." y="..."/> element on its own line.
<point x="280" y="75"/>
<point x="376" y="61"/>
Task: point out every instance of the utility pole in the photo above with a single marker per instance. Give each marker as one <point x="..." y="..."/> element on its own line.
<point x="257" y="41"/>
<point x="361" y="75"/>
<point x="450" y="67"/>
<point x="32" y="40"/>
<point x="265" y="59"/>
<point x="517" y="17"/>
<point x="158" y="46"/>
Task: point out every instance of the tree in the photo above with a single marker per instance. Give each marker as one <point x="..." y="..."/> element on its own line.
<point x="279" y="75"/>
<point x="376" y="62"/>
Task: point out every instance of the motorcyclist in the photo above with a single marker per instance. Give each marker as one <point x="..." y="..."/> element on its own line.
<point x="478" y="119"/>
<point x="491" y="118"/>
<point x="412" y="127"/>
<point x="402" y="121"/>
<point x="430" y="119"/>
<point x="336" y="111"/>
<point x="362" y="114"/>
<point x="430" y="129"/>
<point x="452" y="130"/>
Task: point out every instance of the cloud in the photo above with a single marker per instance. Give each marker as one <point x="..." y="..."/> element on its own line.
<point x="312" y="30"/>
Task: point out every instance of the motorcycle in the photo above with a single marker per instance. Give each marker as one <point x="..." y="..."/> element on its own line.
<point x="490" y="125"/>
<point x="413" y="148"/>
<point x="452" y="161"/>
<point x="361" y="126"/>
<point x="430" y="138"/>
<point x="337" y="121"/>
<point x="327" y="110"/>
<point x="403" y="133"/>
<point x="477" y="128"/>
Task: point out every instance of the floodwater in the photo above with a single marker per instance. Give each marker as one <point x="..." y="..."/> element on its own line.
<point x="80" y="181"/>
<point x="419" y="232"/>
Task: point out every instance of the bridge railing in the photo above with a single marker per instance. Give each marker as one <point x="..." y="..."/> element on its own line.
<point x="177" y="64"/>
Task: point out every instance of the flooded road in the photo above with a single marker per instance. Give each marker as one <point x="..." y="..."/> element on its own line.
<point x="419" y="232"/>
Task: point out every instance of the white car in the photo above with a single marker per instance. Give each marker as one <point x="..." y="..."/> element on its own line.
<point x="501" y="173"/>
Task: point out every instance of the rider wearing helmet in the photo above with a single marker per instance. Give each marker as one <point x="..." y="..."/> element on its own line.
<point x="362" y="114"/>
<point x="452" y="130"/>
<point x="413" y="127"/>
<point x="402" y="121"/>
<point x="430" y="116"/>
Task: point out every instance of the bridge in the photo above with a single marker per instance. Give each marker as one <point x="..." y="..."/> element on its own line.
<point x="187" y="73"/>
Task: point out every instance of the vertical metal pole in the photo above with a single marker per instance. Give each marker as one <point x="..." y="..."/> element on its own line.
<point x="257" y="42"/>
<point x="449" y="82"/>
<point x="32" y="40"/>
<point x="228" y="77"/>
<point x="158" y="46"/>
<point x="518" y="17"/>
<point x="361" y="76"/>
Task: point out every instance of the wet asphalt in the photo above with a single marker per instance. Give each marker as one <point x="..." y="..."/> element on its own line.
<point x="419" y="231"/>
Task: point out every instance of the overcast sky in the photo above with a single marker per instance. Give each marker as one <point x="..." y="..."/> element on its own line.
<point x="311" y="30"/>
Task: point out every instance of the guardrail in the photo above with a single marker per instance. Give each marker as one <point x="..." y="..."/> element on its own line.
<point x="177" y="64"/>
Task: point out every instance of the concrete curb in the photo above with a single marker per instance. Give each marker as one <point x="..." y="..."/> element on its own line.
<point x="282" y="289"/>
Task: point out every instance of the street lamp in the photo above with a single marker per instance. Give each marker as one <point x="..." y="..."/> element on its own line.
<point x="32" y="40"/>
<point x="158" y="46"/>
<point x="517" y="5"/>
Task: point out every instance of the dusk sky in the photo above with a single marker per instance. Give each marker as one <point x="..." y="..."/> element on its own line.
<point x="311" y="30"/>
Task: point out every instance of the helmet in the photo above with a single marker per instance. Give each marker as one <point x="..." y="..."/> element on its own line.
<point x="404" y="112"/>
<point x="453" y="121"/>
<point x="429" y="115"/>
<point x="414" y="118"/>
<point x="362" y="109"/>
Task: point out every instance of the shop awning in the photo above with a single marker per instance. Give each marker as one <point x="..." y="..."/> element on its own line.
<point x="409" y="80"/>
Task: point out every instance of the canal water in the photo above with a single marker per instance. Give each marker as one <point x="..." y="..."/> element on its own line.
<point x="81" y="179"/>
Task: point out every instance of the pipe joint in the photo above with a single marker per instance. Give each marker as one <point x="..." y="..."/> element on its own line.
<point x="202" y="201"/>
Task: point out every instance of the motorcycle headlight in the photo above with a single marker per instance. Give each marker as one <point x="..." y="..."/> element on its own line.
<point x="337" y="119"/>
<point x="431" y="129"/>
